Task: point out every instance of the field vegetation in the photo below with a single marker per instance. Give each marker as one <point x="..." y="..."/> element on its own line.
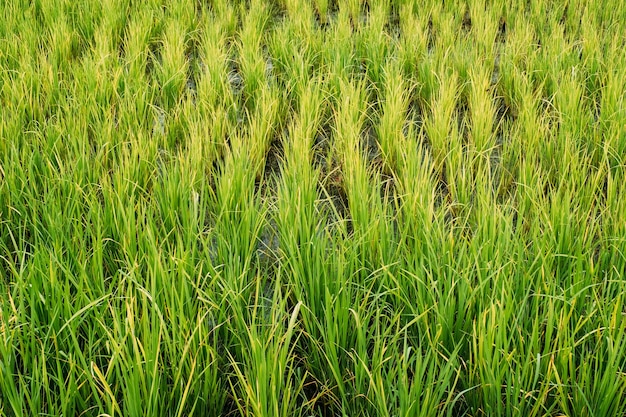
<point x="313" y="208"/>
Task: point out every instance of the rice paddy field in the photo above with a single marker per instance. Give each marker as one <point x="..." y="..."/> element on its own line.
<point x="313" y="208"/>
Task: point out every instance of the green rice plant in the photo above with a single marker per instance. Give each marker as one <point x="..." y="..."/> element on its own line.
<point x="352" y="8"/>
<point x="267" y="378"/>
<point x="295" y="50"/>
<point x="261" y="127"/>
<point x="444" y="29"/>
<point x="338" y="57"/>
<point x="310" y="207"/>
<point x="567" y="364"/>
<point x="373" y="43"/>
<point x="482" y="113"/>
<point x="212" y="83"/>
<point x="485" y="22"/>
<point x="397" y="368"/>
<point x="349" y="121"/>
<point x="611" y="256"/>
<point x="439" y="125"/>
<point x="299" y="178"/>
<point x="252" y="63"/>
<point x="412" y="44"/>
<point x="322" y="7"/>
<point x="173" y="65"/>
<point x="611" y="111"/>
<point x="302" y="243"/>
<point x="391" y="124"/>
<point x="509" y="377"/>
<point x="108" y="34"/>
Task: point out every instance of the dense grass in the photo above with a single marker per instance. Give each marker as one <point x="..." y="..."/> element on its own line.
<point x="313" y="208"/>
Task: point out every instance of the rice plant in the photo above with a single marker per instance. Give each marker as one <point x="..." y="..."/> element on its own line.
<point x="313" y="208"/>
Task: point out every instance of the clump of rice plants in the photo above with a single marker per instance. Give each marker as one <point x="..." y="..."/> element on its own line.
<point x="313" y="208"/>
